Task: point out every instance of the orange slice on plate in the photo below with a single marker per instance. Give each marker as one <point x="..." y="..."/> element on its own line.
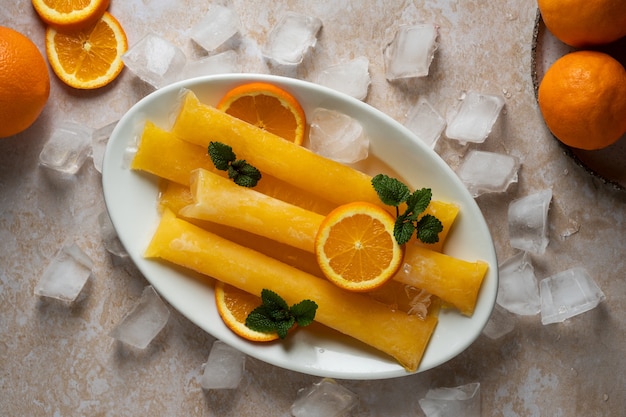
<point x="268" y="107"/>
<point x="87" y="58"/>
<point x="70" y="14"/>
<point x="233" y="306"/>
<point x="355" y="246"/>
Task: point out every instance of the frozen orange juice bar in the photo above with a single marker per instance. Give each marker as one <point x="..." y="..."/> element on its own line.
<point x="402" y="336"/>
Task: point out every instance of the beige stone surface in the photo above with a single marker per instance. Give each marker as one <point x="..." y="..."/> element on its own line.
<point x="58" y="360"/>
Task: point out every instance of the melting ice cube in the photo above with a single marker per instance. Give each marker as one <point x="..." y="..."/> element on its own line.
<point x="67" y="148"/>
<point x="411" y="51"/>
<point x="224" y="368"/>
<point x="325" y="398"/>
<point x="528" y="222"/>
<point x="155" y="60"/>
<point x="291" y="38"/>
<point x="452" y="402"/>
<point x="568" y="294"/>
<point x="518" y="290"/>
<point x="488" y="172"/>
<point x="99" y="141"/>
<point x="475" y="118"/>
<point x="222" y="63"/>
<point x="109" y="237"/>
<point x="144" y="321"/>
<point x="337" y="136"/>
<point x="218" y="25"/>
<point x="66" y="275"/>
<point x="425" y="122"/>
<point x="351" y="78"/>
<point x="500" y="323"/>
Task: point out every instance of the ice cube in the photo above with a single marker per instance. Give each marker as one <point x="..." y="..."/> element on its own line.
<point x="99" y="141"/>
<point x="144" y="321"/>
<point x="324" y="398"/>
<point x="425" y="122"/>
<point x="518" y="290"/>
<point x="291" y="38"/>
<point x="452" y="402"/>
<point x="337" y="136"/>
<point x="222" y="63"/>
<point x="475" y="118"/>
<point x="351" y="78"/>
<point x="528" y="222"/>
<point x="67" y="148"/>
<point x="66" y="275"/>
<point x="218" y="25"/>
<point x="109" y="237"/>
<point x="488" y="172"/>
<point x="224" y="368"/>
<point x="568" y="294"/>
<point x="500" y="323"/>
<point x="411" y="51"/>
<point x="155" y="60"/>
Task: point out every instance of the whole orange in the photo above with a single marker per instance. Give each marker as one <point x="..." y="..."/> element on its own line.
<point x="582" y="98"/>
<point x="24" y="82"/>
<point x="584" y="22"/>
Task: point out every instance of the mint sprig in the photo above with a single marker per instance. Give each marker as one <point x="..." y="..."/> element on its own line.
<point x="275" y="315"/>
<point x="393" y="192"/>
<point x="241" y="172"/>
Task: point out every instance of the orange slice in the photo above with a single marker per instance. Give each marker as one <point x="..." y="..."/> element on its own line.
<point x="70" y="14"/>
<point x="355" y="246"/>
<point x="268" y="107"/>
<point x="87" y="58"/>
<point x="233" y="306"/>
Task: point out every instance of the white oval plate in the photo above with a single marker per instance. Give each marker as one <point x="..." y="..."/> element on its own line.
<point x="131" y="201"/>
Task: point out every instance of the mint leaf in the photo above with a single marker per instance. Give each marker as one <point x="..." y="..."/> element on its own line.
<point x="403" y="230"/>
<point x="391" y="191"/>
<point x="241" y="172"/>
<point x="419" y="200"/>
<point x="275" y="315"/>
<point x="428" y="229"/>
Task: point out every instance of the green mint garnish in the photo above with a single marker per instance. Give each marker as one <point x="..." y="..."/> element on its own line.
<point x="274" y="315"/>
<point x="241" y="172"/>
<point x="393" y="192"/>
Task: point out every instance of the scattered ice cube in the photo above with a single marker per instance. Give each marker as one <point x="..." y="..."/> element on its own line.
<point x="144" y="321"/>
<point x="500" y="323"/>
<point x="66" y="275"/>
<point x="452" y="402"/>
<point x="411" y="51"/>
<point x="351" y="78"/>
<point x="291" y="38"/>
<point x="324" y="398"/>
<point x="222" y="63"/>
<point x="99" y="141"/>
<point x="218" y="25"/>
<point x="568" y="294"/>
<point x="109" y="237"/>
<point x="224" y="368"/>
<point x="488" y="172"/>
<point x="155" y="60"/>
<point x="518" y="290"/>
<point x="475" y="118"/>
<point x="337" y="136"/>
<point x="67" y="148"/>
<point x="528" y="222"/>
<point x="425" y="122"/>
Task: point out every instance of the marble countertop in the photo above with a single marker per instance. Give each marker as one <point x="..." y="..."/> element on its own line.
<point x="59" y="360"/>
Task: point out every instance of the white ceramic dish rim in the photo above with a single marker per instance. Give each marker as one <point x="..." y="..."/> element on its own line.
<point x="131" y="202"/>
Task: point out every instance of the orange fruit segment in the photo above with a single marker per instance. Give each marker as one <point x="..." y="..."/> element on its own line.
<point x="87" y="58"/>
<point x="233" y="306"/>
<point x="70" y="14"/>
<point x="582" y="98"/>
<point x="24" y="82"/>
<point x="266" y="106"/>
<point x="355" y="246"/>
